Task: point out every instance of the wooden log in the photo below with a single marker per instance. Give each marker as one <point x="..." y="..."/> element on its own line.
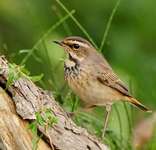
<point x="14" y="133"/>
<point x="28" y="99"/>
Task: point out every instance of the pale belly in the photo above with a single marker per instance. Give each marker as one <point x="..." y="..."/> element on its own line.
<point x="92" y="92"/>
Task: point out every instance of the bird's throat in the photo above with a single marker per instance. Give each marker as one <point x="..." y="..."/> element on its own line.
<point x="71" y="58"/>
<point x="71" y="67"/>
<point x="69" y="63"/>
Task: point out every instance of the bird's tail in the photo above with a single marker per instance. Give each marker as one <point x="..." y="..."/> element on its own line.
<point x="138" y="104"/>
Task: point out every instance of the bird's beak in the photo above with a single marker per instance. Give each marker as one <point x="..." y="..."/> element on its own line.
<point x="62" y="44"/>
<point x="58" y="42"/>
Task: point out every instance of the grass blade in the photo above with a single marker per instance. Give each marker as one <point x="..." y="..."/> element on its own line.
<point x="59" y="15"/>
<point x="76" y="22"/>
<point x="45" y="35"/>
<point x="128" y="118"/>
<point x="109" y="24"/>
<point x="120" y="122"/>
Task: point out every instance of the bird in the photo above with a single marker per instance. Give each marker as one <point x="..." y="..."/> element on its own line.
<point x="90" y="76"/>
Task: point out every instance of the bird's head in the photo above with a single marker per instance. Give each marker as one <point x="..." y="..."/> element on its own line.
<point x="77" y="48"/>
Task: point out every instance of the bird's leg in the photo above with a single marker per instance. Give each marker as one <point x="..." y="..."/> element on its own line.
<point x="108" y="111"/>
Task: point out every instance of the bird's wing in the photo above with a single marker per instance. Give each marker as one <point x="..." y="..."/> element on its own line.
<point x="108" y="77"/>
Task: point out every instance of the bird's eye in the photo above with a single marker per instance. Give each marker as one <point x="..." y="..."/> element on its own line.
<point x="76" y="46"/>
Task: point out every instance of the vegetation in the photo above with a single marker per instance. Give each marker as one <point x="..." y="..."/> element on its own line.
<point x="15" y="72"/>
<point x="124" y="31"/>
<point x="44" y="118"/>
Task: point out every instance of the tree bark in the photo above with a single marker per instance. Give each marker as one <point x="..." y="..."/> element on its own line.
<point x="14" y="133"/>
<point x="26" y="99"/>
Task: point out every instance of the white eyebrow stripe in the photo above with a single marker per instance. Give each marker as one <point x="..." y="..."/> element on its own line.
<point x="80" y="43"/>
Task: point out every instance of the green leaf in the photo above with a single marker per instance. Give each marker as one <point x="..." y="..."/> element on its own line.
<point x="10" y="80"/>
<point x="33" y="127"/>
<point x="13" y="75"/>
<point x="35" y="141"/>
<point x="53" y="121"/>
<point x="24" y="70"/>
<point x="24" y="51"/>
<point x="50" y="118"/>
<point x="40" y="120"/>
<point x="36" y="78"/>
<point x="48" y="112"/>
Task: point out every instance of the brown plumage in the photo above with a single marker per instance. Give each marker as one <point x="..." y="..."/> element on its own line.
<point x="90" y="76"/>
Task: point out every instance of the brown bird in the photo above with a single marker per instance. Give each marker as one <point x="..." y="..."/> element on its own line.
<point x="90" y="76"/>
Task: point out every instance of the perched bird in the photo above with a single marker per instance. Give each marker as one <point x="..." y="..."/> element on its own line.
<point x="90" y="76"/>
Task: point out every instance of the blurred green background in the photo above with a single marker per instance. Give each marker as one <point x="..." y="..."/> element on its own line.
<point x="130" y="48"/>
